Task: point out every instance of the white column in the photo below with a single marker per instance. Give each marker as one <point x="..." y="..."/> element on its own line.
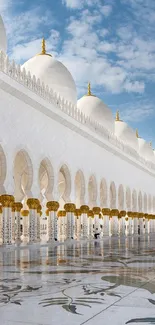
<point x="141" y="223"/>
<point x="18" y="207"/>
<point x="90" y="224"/>
<point x="106" y="223"/>
<point x="53" y="207"/>
<point x="135" y="223"/>
<point x="62" y="224"/>
<point x="33" y="205"/>
<point x="146" y="224"/>
<point x="78" y="222"/>
<point x="7" y="202"/>
<point x="25" y="214"/>
<point x="1" y="224"/>
<point x="129" y="214"/>
<point x="70" y="210"/>
<point x="114" y="222"/>
<point x="39" y="213"/>
<point x="122" y="215"/>
<point x="96" y="211"/>
<point x="84" y="215"/>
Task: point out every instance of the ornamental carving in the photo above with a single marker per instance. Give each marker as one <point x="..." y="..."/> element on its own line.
<point x="140" y="215"/>
<point x="18" y="206"/>
<point x="122" y="213"/>
<point x="61" y="213"/>
<point x="77" y="212"/>
<point x="114" y="213"/>
<point x="70" y="207"/>
<point x="90" y="214"/>
<point x="106" y="212"/>
<point x="33" y="203"/>
<point x="84" y="208"/>
<point x="25" y="213"/>
<point x="7" y="200"/>
<point x="96" y="210"/>
<point x="52" y="205"/>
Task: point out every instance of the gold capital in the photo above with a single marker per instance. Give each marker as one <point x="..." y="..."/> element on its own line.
<point x="52" y="205"/>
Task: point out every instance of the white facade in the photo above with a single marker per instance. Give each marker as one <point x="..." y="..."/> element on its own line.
<point x="51" y="150"/>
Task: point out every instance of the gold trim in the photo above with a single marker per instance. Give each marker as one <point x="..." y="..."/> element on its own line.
<point x="33" y="203"/>
<point x="70" y="207"/>
<point x="7" y="200"/>
<point x="77" y="212"/>
<point x="90" y="214"/>
<point x="61" y="213"/>
<point x="96" y="210"/>
<point x="52" y="205"/>
<point x="106" y="212"/>
<point x="84" y="208"/>
<point x="114" y="213"/>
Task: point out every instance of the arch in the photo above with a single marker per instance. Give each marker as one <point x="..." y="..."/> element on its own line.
<point x="92" y="191"/>
<point x="134" y="200"/>
<point x="23" y="174"/>
<point x="128" y="199"/>
<point x="64" y="185"/>
<point x="145" y="202"/>
<point x="140" y="203"/>
<point x="103" y="193"/>
<point x="46" y="179"/>
<point x="79" y="188"/>
<point x="112" y="196"/>
<point x="149" y="204"/>
<point x="120" y="197"/>
<point x="3" y="169"/>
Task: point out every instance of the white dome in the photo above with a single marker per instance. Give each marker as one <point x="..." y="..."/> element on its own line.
<point x="145" y="149"/>
<point x="125" y="133"/>
<point x="3" y="38"/>
<point x="92" y="106"/>
<point x="54" y="74"/>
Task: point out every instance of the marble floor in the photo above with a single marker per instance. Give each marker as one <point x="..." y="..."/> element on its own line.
<point x="110" y="281"/>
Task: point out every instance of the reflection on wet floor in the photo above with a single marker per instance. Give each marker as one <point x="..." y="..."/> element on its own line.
<point x="101" y="273"/>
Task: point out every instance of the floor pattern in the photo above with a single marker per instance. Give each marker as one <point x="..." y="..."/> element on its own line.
<point x="109" y="281"/>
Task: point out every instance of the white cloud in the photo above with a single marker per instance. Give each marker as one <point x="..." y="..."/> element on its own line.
<point x="78" y="4"/>
<point x="136" y="112"/>
<point x="106" y="10"/>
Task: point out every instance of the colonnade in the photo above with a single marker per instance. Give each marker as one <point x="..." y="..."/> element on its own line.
<point x="67" y="224"/>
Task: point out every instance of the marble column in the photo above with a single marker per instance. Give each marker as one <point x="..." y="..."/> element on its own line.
<point x="7" y="201"/>
<point x="129" y="214"/>
<point x="13" y="222"/>
<point x="90" y="223"/>
<point x="141" y="223"/>
<point x="84" y="216"/>
<point x="33" y="205"/>
<point x="97" y="211"/>
<point x="70" y="210"/>
<point x="114" y="222"/>
<point x="1" y="224"/>
<point x="146" y="224"/>
<point x="25" y="214"/>
<point x="135" y="223"/>
<point x="62" y="224"/>
<point x="53" y="207"/>
<point x="122" y="215"/>
<point x="39" y="213"/>
<point x="153" y="222"/>
<point x="18" y="207"/>
<point x="77" y="223"/>
<point x="106" y="217"/>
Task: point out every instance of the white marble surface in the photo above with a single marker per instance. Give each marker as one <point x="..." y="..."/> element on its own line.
<point x="106" y="282"/>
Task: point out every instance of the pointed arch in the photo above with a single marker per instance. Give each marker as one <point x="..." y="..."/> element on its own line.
<point x="103" y="193"/>
<point x="120" y="197"/>
<point x="112" y="195"/>
<point x="46" y="179"/>
<point x="128" y="199"/>
<point x="79" y="188"/>
<point x="64" y="185"/>
<point x="92" y="191"/>
<point x="140" y="201"/>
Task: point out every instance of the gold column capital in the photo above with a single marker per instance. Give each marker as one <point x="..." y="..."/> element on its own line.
<point x="122" y="213"/>
<point x="70" y="207"/>
<point x="25" y="213"/>
<point x="84" y="208"/>
<point x="77" y="212"/>
<point x="1" y="208"/>
<point x="52" y="205"/>
<point x="7" y="200"/>
<point x="47" y="213"/>
<point x="18" y="206"/>
<point x="33" y="203"/>
<point x="130" y="214"/>
<point x="114" y="213"/>
<point x="61" y="213"/>
<point x="96" y="210"/>
<point x="39" y="208"/>
<point x="106" y="212"/>
<point x="90" y="214"/>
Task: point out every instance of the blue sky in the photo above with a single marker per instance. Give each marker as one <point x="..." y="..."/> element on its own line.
<point x="110" y="43"/>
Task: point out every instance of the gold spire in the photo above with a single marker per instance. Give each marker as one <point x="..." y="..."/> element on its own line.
<point x="43" y="46"/>
<point x="117" y="116"/>
<point x="43" y="52"/>
<point x="89" y="93"/>
<point x="137" y="135"/>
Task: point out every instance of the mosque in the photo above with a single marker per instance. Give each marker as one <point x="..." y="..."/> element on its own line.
<point x="67" y="166"/>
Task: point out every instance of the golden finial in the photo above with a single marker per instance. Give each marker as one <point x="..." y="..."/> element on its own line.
<point x="89" y="89"/>
<point x="43" y="46"/>
<point x="137" y="135"/>
<point x="117" y="116"/>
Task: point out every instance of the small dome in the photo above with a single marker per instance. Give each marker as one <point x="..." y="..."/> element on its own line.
<point x="145" y="149"/>
<point x="125" y="133"/>
<point x="53" y="73"/>
<point x="3" y="38"/>
<point x="94" y="107"/>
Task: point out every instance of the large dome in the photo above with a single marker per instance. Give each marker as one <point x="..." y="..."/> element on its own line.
<point x="53" y="73"/>
<point x="94" y="107"/>
<point x="3" y="38"/>
<point x="125" y="132"/>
